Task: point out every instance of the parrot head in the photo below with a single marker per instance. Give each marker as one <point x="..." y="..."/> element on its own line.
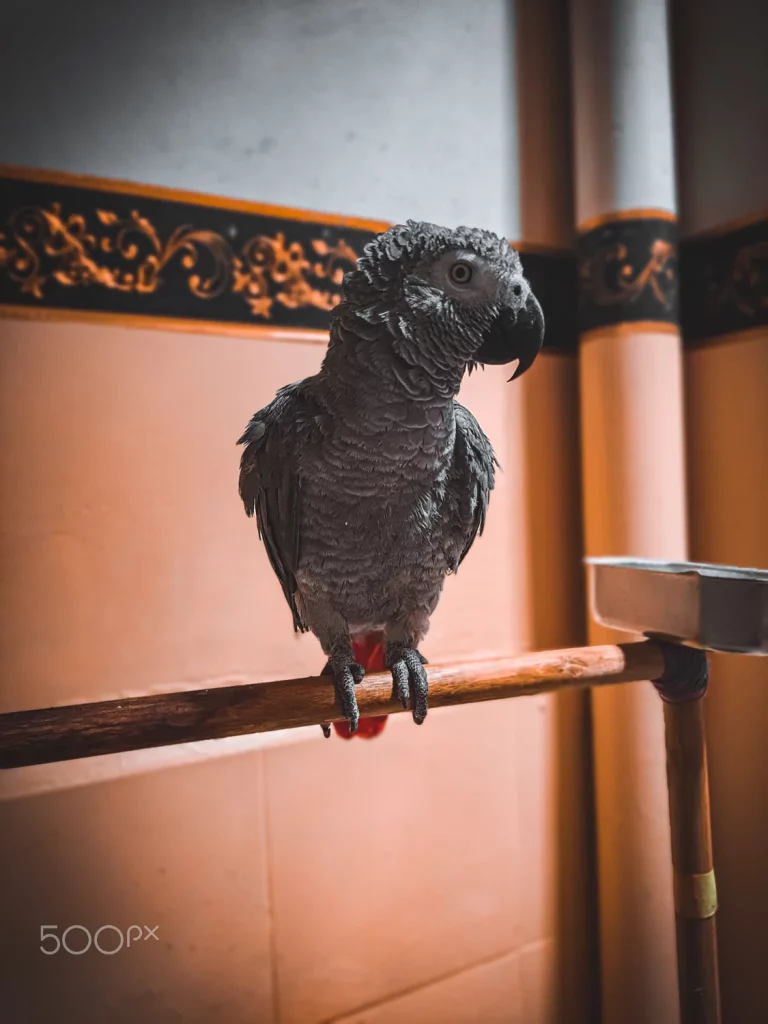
<point x="450" y="299"/>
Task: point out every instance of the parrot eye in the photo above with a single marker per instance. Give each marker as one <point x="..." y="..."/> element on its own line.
<point x="461" y="272"/>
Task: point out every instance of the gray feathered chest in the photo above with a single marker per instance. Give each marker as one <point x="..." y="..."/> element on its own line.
<point x="365" y="501"/>
<point x="378" y="519"/>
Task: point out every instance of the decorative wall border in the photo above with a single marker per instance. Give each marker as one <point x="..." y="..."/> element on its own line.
<point x="628" y="270"/>
<point x="635" y="275"/>
<point x="100" y="247"/>
<point x="83" y="248"/>
<point x="724" y="281"/>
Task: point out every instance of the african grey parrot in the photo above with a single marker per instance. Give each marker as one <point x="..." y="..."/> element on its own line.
<point x="368" y="480"/>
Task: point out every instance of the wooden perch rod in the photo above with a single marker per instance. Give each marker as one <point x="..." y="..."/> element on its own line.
<point x="110" y="727"/>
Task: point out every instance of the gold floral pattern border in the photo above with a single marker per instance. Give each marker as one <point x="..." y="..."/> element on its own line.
<point x="119" y="253"/>
<point x="41" y="246"/>
<point x="80" y="247"/>
<point x="610" y="278"/>
<point x="628" y="272"/>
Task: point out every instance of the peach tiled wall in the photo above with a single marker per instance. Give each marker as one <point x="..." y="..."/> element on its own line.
<point x="728" y="475"/>
<point x="412" y="878"/>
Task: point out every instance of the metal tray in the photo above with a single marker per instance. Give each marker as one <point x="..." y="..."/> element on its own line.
<point x="718" y="607"/>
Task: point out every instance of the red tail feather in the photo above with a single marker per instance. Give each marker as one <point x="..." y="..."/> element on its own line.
<point x="369" y="652"/>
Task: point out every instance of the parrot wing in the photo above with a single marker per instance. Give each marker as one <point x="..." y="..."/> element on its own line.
<point x="472" y="480"/>
<point x="270" y="485"/>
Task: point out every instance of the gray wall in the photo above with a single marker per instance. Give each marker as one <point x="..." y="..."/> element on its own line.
<point x="721" y="85"/>
<point x="391" y="110"/>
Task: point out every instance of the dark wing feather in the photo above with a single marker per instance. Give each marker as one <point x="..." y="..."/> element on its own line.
<point x="270" y="486"/>
<point x="472" y="481"/>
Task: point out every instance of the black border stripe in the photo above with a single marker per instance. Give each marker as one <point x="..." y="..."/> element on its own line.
<point x="83" y="248"/>
<point x="89" y="246"/>
<point x="75" y="248"/>
<point x="724" y="282"/>
<point x="628" y="272"/>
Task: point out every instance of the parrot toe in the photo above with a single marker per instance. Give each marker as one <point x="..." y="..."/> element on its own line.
<point x="408" y="676"/>
<point x="346" y="675"/>
<point x="401" y="679"/>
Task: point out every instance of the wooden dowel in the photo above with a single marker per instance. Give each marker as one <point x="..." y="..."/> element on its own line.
<point x="694" y="876"/>
<point x="110" y="727"/>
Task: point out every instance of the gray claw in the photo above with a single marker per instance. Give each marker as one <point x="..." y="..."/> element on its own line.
<point x="399" y="671"/>
<point x="407" y="668"/>
<point x="346" y="675"/>
<point x="326" y="726"/>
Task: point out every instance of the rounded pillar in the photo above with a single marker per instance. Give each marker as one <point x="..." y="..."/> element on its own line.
<point x="722" y="110"/>
<point x="633" y="472"/>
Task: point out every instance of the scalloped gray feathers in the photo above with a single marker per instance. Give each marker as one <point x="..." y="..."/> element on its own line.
<point x="368" y="481"/>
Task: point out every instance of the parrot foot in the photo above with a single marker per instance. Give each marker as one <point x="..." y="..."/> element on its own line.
<point x="346" y="674"/>
<point x="407" y="668"/>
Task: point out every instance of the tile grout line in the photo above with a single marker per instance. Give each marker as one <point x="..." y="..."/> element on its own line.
<point x="276" y="1016"/>
<point x="438" y="979"/>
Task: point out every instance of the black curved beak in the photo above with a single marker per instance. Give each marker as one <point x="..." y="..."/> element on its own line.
<point x="516" y="333"/>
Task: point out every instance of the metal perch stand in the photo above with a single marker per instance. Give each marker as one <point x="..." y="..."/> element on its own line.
<point x="683" y="609"/>
<point x="696" y="608"/>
